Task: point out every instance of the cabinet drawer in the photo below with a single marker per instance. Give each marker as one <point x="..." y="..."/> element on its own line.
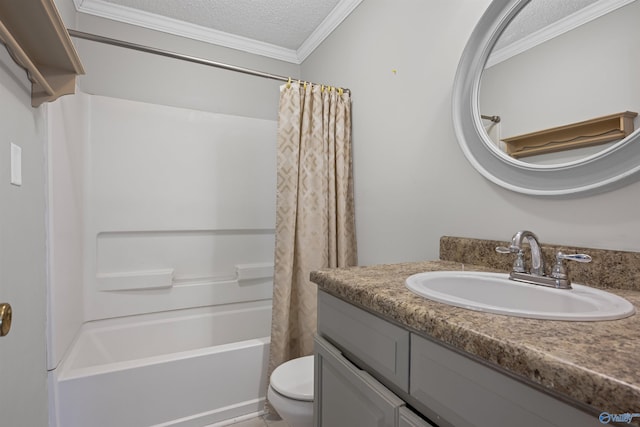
<point x="455" y="390"/>
<point x="346" y="396"/>
<point x="376" y="343"/>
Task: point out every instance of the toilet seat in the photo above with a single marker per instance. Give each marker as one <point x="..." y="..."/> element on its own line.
<point x="294" y="379"/>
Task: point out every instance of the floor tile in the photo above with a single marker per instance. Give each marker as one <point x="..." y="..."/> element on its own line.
<point x="274" y="421"/>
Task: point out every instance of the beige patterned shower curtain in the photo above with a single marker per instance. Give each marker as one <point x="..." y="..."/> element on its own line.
<point x="315" y="223"/>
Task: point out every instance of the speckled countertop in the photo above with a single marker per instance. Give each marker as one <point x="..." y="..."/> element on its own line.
<point x="592" y="363"/>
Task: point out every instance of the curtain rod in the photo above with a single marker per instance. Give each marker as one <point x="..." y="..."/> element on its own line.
<point x="174" y="55"/>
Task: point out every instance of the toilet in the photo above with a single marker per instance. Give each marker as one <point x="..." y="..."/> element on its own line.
<point x="291" y="391"/>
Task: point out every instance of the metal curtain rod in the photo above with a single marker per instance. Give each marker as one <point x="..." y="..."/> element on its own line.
<point x="174" y="55"/>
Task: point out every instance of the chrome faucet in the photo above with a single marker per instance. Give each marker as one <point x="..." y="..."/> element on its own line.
<point x="536" y="275"/>
<point x="537" y="262"/>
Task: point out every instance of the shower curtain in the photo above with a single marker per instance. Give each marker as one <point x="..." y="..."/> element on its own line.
<point x="315" y="223"/>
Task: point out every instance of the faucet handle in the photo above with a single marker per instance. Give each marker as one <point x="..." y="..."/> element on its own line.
<point x="559" y="272"/>
<point x="573" y="257"/>
<point x="518" y="264"/>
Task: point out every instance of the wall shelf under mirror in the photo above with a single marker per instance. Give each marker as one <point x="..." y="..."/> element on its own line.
<point x="590" y="132"/>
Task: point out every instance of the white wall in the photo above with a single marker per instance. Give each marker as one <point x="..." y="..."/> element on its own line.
<point x="67" y="11"/>
<point x="412" y="182"/>
<point x="23" y="374"/>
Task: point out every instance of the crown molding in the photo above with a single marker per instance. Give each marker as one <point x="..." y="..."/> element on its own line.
<point x="326" y="27"/>
<point x="585" y="15"/>
<point x="180" y="28"/>
<point x="168" y="25"/>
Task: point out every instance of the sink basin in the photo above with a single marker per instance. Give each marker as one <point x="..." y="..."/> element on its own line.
<point x="495" y="293"/>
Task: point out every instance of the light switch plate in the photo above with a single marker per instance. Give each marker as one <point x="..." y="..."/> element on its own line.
<point x="16" y="164"/>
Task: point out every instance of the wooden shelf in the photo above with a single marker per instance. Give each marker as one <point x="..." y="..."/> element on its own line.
<point x="38" y="41"/>
<point x="576" y="135"/>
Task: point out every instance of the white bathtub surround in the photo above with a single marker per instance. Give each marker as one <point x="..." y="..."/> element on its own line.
<point x="177" y="199"/>
<point x="315" y="225"/>
<point x="183" y="368"/>
<point x="170" y="221"/>
<point x="155" y="208"/>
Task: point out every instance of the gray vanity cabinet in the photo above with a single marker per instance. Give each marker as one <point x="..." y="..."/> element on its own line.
<point x="372" y="373"/>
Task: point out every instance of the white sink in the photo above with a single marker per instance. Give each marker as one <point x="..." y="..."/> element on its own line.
<point x="495" y="293"/>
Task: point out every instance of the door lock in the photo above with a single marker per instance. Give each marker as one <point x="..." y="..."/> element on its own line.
<point x="5" y="318"/>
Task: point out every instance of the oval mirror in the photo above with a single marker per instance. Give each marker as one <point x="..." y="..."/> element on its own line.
<point x="560" y="78"/>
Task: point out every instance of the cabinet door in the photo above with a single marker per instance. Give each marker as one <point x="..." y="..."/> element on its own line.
<point x="409" y="419"/>
<point x="346" y="396"/>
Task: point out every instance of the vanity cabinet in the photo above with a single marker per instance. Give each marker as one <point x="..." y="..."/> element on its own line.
<point x="372" y="373"/>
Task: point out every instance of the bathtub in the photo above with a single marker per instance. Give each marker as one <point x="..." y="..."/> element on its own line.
<point x="185" y="368"/>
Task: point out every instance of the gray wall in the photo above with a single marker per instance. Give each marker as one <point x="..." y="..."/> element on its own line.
<point x="412" y="182"/>
<point x="129" y="74"/>
<point x="23" y="374"/>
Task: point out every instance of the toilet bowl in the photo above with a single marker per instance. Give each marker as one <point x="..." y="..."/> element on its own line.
<point x="291" y="391"/>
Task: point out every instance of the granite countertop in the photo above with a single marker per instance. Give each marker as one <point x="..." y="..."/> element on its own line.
<point x="591" y="363"/>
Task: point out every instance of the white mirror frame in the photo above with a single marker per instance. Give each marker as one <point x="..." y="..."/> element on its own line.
<point x="608" y="169"/>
